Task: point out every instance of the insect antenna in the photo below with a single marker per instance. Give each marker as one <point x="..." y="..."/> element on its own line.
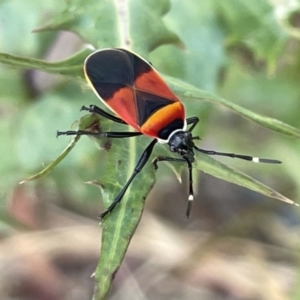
<point x="244" y="157"/>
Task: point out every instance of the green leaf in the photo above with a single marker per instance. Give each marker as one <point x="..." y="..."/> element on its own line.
<point x="203" y="39"/>
<point x="120" y="225"/>
<point x="70" y="66"/>
<point x="86" y="122"/>
<point x="217" y="169"/>
<point x="134" y="24"/>
<point x="253" y="24"/>
<point x="190" y="92"/>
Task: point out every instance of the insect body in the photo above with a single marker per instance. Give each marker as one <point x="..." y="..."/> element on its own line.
<point x="131" y="88"/>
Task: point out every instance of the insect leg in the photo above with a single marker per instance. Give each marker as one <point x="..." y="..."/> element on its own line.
<point x="109" y="134"/>
<point x="192" y="120"/>
<point x="100" y="111"/>
<point x="190" y="167"/>
<point x="165" y="158"/>
<point x="97" y="110"/>
<point x="139" y="166"/>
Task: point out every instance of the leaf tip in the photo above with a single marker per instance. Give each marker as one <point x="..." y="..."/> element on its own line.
<point x="94" y="182"/>
<point x="289" y="201"/>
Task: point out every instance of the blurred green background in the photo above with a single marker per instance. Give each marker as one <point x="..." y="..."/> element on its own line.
<point x="237" y="244"/>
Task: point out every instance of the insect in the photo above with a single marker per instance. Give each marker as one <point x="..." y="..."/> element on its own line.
<point x="138" y="96"/>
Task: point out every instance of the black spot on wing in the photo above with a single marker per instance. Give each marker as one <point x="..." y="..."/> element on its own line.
<point x="148" y="104"/>
<point x="106" y="91"/>
<point x="139" y="66"/>
<point x="109" y="70"/>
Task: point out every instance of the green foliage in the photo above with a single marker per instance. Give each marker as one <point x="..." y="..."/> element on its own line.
<point x="71" y="66"/>
<point x="136" y="23"/>
<point x="199" y="40"/>
<point x="253" y="24"/>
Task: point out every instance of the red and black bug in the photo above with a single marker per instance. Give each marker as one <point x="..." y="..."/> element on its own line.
<point x="131" y="88"/>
